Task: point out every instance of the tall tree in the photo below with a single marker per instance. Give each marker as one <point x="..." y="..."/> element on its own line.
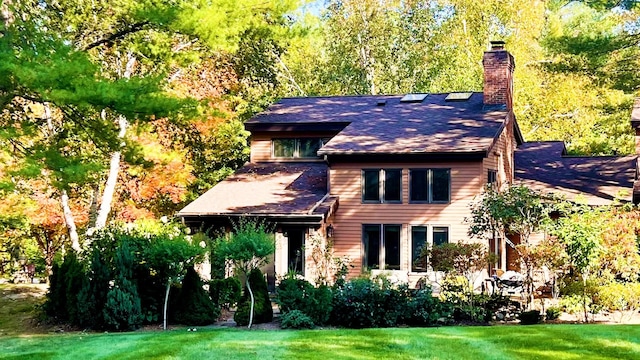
<point x="101" y="68"/>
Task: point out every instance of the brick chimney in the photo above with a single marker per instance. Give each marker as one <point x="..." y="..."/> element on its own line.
<point x="498" y="75"/>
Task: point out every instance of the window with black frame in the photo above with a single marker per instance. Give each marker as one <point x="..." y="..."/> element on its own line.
<point x="382" y="185"/>
<point x="420" y="240"/>
<point x="381" y="247"/>
<point x="430" y="185"/>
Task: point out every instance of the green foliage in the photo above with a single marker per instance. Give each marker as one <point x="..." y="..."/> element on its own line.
<point x="122" y="310"/>
<point x="363" y="303"/>
<point x="225" y="292"/>
<point x="65" y="284"/>
<point x="423" y="309"/>
<point x="515" y="210"/>
<point x="296" y="319"/>
<point x="621" y="297"/>
<point x="263" y="312"/>
<point x="574" y="304"/>
<point x="553" y="313"/>
<point x="93" y="296"/>
<point x="196" y="308"/>
<point x="298" y="294"/>
<point x="530" y="317"/>
<point x="247" y="248"/>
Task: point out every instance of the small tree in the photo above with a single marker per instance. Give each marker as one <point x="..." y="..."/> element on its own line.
<point x="515" y="210"/>
<point x="247" y="248"/>
<point x="466" y="260"/>
<point x="580" y="232"/>
<point x="170" y="255"/>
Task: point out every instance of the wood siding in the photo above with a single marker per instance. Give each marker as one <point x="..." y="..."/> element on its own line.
<point x="467" y="181"/>
<point x="500" y="157"/>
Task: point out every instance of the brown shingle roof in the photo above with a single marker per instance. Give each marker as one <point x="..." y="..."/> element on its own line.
<point x="271" y="188"/>
<point x="596" y="180"/>
<point x="431" y="126"/>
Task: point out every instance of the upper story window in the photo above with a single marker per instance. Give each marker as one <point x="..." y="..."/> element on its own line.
<point x="296" y="148"/>
<point x="382" y="185"/>
<point x="430" y="185"/>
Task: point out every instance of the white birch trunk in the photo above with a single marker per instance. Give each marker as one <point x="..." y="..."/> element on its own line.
<point x="253" y="301"/>
<point x="166" y="303"/>
<point x="68" y="219"/>
<point x="114" y="165"/>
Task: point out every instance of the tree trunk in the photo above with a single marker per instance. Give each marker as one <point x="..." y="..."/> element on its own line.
<point x="252" y="302"/>
<point x="68" y="219"/>
<point x="166" y="303"/>
<point x="114" y="166"/>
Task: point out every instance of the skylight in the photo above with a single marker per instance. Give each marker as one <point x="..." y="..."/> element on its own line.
<point x="458" y="96"/>
<point x="413" y="97"/>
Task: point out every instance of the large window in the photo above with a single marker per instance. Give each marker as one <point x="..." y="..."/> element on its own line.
<point x="381" y="247"/>
<point x="296" y="148"/>
<point x="382" y="185"/>
<point x="421" y="237"/>
<point x="430" y="185"/>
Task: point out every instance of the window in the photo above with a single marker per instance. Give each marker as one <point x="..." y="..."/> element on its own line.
<point x="492" y="176"/>
<point x="420" y="239"/>
<point x="382" y="185"/>
<point x="440" y="235"/>
<point x="296" y="148"/>
<point x="381" y="245"/>
<point x="430" y="185"/>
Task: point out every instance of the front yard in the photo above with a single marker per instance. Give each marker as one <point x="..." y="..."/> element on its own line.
<point x="487" y="342"/>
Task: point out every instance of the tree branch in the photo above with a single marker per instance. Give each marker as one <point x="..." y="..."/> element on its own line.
<point x="118" y="35"/>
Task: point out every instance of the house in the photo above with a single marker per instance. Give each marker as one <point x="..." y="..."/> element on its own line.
<point x="384" y="175"/>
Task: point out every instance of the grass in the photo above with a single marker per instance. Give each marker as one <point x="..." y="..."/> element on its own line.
<point x="18" y="305"/>
<point x="20" y="339"/>
<point x="489" y="342"/>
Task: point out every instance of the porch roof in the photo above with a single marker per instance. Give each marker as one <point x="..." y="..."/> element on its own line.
<point x="267" y="190"/>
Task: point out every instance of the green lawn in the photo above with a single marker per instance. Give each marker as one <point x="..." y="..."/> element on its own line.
<point x="491" y="342"/>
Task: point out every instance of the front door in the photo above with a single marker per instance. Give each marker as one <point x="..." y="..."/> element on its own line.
<point x="295" y="250"/>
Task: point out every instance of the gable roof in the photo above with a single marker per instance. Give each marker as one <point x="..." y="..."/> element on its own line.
<point x="294" y="189"/>
<point x="383" y="124"/>
<point x="597" y="180"/>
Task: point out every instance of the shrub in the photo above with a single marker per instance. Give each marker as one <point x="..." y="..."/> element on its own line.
<point x="93" y="296"/>
<point x="195" y="307"/>
<point x="299" y="294"/>
<point x="363" y="303"/>
<point x="262" y="312"/>
<point x="530" y="317"/>
<point x="296" y="319"/>
<point x="225" y="292"/>
<point x="122" y="310"/>
<point x="66" y="283"/>
<point x="423" y="309"/>
<point x="553" y="313"/>
<point x="624" y="298"/>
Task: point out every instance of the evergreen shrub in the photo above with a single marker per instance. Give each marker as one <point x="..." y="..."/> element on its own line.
<point x="195" y="306"/>
<point x="225" y="292"/>
<point x="262" y="312"/>
<point x="296" y="319"/>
